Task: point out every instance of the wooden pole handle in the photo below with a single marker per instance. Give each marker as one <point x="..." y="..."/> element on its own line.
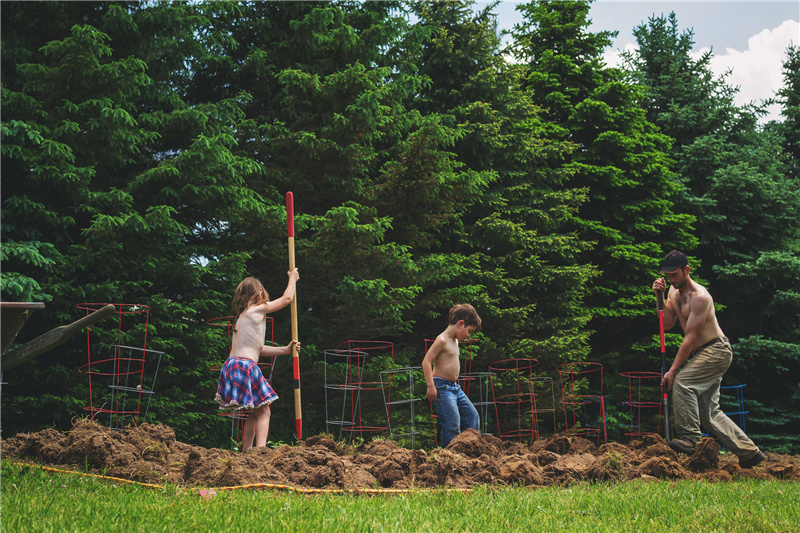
<point x="298" y="412"/>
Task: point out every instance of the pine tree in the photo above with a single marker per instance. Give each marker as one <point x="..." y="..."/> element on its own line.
<point x="789" y="98"/>
<point x="324" y="83"/>
<point x="323" y="107"/>
<point x="508" y="248"/>
<point x="130" y="191"/>
<point x="620" y="159"/>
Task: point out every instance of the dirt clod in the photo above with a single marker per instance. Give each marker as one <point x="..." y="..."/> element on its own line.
<point x="150" y="453"/>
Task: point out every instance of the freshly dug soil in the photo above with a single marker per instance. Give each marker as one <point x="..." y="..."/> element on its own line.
<point x="149" y="453"/>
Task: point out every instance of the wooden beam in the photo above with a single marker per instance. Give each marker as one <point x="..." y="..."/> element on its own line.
<point x="14" y="315"/>
<point x="51" y="339"/>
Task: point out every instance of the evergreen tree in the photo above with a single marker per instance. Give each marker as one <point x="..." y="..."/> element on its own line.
<point x="789" y="98"/>
<point x="620" y="160"/>
<point x="120" y="181"/>
<point x="323" y="108"/>
<point x="325" y="117"/>
<point x="510" y="249"/>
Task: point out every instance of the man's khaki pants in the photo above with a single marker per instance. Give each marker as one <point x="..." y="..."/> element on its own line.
<point x="695" y="399"/>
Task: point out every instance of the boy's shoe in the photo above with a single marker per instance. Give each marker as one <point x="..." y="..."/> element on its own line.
<point x="753" y="461"/>
<point x="682" y="446"/>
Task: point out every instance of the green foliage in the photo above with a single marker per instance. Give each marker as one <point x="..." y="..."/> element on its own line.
<point x="123" y="182"/>
<point x="509" y="234"/>
<point x="147" y="148"/>
<point x="33" y="255"/>
<point x="621" y="162"/>
<point x="789" y="98"/>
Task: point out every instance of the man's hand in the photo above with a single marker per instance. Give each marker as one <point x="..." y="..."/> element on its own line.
<point x="668" y="378"/>
<point x="431" y="393"/>
<point x="659" y="285"/>
<point x="290" y="346"/>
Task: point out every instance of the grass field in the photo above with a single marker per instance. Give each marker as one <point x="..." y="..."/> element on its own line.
<point x="36" y="500"/>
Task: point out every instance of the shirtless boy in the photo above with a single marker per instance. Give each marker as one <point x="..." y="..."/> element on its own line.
<point x="707" y="353"/>
<point x="454" y="410"/>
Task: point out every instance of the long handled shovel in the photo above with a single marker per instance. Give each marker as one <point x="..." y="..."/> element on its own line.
<point x="298" y="414"/>
<point x="664" y="391"/>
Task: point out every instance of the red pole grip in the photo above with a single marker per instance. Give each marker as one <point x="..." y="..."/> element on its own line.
<point x="290" y="213"/>
<point x="660" y="299"/>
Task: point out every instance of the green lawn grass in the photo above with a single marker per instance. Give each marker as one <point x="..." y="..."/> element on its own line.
<point x="36" y="500"/>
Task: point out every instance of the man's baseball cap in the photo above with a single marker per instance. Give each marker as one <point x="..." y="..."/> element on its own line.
<point x="674" y="261"/>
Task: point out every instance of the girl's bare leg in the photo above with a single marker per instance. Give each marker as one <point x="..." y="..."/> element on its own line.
<point x="262" y="425"/>
<point x="256" y="425"/>
<point x="249" y="432"/>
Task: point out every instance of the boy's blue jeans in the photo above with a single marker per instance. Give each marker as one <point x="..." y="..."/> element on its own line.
<point x="454" y="410"/>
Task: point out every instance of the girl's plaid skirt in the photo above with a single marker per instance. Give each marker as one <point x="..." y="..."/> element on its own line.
<point x="242" y="385"/>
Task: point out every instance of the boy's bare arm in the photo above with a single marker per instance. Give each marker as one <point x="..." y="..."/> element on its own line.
<point x="427" y="370"/>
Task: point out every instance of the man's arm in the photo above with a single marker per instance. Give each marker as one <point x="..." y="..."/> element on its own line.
<point x="659" y="285"/>
<point x="698" y="312"/>
<point x="427" y="363"/>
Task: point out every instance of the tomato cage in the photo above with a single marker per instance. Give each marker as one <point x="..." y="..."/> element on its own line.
<point x="266" y="364"/>
<point x="119" y="365"/>
<point x="583" y="400"/>
<point x="515" y="398"/>
<point x="643" y="404"/>
<point x="475" y="385"/>
<point x="544" y="401"/>
<point x="352" y="381"/>
<point x="405" y="395"/>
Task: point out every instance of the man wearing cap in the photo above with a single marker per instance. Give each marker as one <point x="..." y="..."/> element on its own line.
<point x="707" y="354"/>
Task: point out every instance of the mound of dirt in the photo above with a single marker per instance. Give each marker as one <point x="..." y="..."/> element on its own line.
<point x="151" y="454"/>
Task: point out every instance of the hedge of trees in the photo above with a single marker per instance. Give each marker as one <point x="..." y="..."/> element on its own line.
<point x="147" y="148"/>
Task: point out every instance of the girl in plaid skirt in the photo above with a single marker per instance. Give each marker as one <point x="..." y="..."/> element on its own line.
<point x="241" y="383"/>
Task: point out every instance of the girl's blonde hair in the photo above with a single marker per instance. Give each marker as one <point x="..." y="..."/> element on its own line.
<point x="249" y="292"/>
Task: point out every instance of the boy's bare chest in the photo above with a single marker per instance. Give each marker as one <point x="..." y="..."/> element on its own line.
<point x="449" y="353"/>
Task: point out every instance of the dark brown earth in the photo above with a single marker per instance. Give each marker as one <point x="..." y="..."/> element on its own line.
<point x="150" y="454"/>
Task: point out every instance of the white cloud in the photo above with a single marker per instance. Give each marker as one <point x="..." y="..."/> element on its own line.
<point x="613" y="58"/>
<point x="757" y="71"/>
